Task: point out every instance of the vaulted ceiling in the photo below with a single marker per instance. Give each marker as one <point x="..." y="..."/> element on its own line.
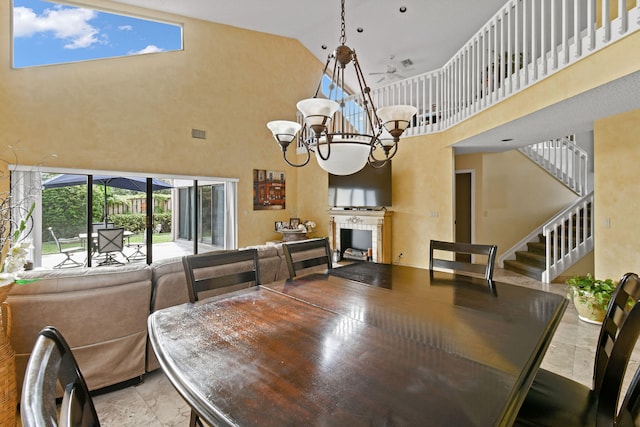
<point x="428" y="33"/>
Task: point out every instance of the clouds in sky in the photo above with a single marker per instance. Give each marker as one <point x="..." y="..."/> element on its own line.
<point x="68" y="24"/>
<point x="149" y="49"/>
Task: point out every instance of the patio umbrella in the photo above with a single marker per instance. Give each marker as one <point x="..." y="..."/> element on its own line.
<point x="133" y="183"/>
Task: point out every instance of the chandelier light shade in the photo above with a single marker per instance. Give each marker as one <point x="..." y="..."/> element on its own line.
<point x="346" y="157"/>
<point x="317" y="112"/>
<point x="283" y="130"/>
<point x="344" y="141"/>
<point x="396" y="119"/>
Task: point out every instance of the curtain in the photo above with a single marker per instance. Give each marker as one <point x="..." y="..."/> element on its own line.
<point x="25" y="191"/>
<point x="231" y="214"/>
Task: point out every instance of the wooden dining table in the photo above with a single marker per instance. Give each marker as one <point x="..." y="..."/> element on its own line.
<point x="366" y="344"/>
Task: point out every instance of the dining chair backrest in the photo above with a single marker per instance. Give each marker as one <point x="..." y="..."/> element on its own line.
<point x="110" y="240"/>
<point x="629" y="414"/>
<point x="618" y="335"/>
<point x="484" y="256"/>
<point x="51" y="363"/>
<point x="101" y="225"/>
<point x="213" y="273"/>
<point x="307" y="254"/>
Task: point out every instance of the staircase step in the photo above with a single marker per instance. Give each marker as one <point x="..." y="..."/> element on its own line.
<point x="537" y="248"/>
<point x="532" y="258"/>
<point x="524" y="269"/>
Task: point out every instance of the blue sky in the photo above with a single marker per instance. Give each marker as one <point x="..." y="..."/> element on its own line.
<point x="47" y="33"/>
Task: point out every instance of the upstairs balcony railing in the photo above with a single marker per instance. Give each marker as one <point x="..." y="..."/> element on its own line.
<point x="523" y="43"/>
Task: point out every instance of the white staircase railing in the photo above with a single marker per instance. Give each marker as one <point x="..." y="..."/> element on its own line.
<point x="568" y="237"/>
<point x="564" y="160"/>
<point x="522" y="44"/>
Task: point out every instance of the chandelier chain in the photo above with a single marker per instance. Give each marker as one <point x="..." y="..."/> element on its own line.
<point x="343" y="31"/>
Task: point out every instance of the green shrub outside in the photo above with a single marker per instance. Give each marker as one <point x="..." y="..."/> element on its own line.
<point x="136" y="222"/>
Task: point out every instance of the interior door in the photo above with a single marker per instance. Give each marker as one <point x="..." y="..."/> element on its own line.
<point x="463" y="211"/>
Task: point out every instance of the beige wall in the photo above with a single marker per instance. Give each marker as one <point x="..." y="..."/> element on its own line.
<point x="422" y="197"/>
<point x="136" y="113"/>
<point x="617" y="195"/>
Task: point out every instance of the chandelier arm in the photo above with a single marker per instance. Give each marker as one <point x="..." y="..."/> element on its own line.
<point x="343" y="120"/>
<point x="319" y="152"/>
<point x="323" y="73"/>
<point x="295" y="165"/>
<point x="377" y="164"/>
<point x="388" y="152"/>
<point x="366" y="95"/>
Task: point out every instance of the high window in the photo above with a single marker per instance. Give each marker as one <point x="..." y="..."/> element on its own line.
<point x="50" y="33"/>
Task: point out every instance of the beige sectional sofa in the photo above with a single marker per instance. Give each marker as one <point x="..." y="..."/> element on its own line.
<point x="102" y="312"/>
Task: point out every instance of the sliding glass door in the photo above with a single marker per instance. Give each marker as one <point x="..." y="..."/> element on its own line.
<point x="163" y="217"/>
<point x="206" y="216"/>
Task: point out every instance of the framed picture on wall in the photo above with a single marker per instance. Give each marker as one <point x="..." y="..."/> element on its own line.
<point x="269" y="190"/>
<point x="294" y="223"/>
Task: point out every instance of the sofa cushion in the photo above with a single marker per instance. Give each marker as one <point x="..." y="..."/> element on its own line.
<point x="269" y="262"/>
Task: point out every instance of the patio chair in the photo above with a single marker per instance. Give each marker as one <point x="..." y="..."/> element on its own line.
<point x="138" y="253"/>
<point x="110" y="241"/>
<point x="68" y="261"/>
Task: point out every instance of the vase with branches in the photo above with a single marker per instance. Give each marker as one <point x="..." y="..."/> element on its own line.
<point x="16" y="224"/>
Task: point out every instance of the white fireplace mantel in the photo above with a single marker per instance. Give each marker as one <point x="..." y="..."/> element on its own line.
<point x="376" y="221"/>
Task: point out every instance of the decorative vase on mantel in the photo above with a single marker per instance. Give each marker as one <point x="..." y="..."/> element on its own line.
<point x="8" y="391"/>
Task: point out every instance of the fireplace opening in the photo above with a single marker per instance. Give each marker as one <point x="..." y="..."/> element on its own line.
<point x="355" y="243"/>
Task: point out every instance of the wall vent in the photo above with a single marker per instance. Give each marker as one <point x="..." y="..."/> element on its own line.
<point x="199" y="134"/>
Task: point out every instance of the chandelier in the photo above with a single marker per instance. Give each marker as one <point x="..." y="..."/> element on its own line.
<point x="344" y="141"/>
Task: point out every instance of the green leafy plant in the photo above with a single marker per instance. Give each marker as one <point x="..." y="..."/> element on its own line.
<point x="592" y="291"/>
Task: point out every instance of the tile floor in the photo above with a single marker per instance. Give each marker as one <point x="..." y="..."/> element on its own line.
<point x="156" y="403"/>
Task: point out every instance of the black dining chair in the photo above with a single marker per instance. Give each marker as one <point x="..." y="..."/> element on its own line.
<point x="215" y="273"/>
<point x="307" y="254"/>
<point x="52" y="365"/>
<point x="463" y="258"/>
<point x="554" y="400"/>
<point x="629" y="414"/>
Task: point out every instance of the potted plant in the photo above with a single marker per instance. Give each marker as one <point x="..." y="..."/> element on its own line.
<point x="591" y="297"/>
